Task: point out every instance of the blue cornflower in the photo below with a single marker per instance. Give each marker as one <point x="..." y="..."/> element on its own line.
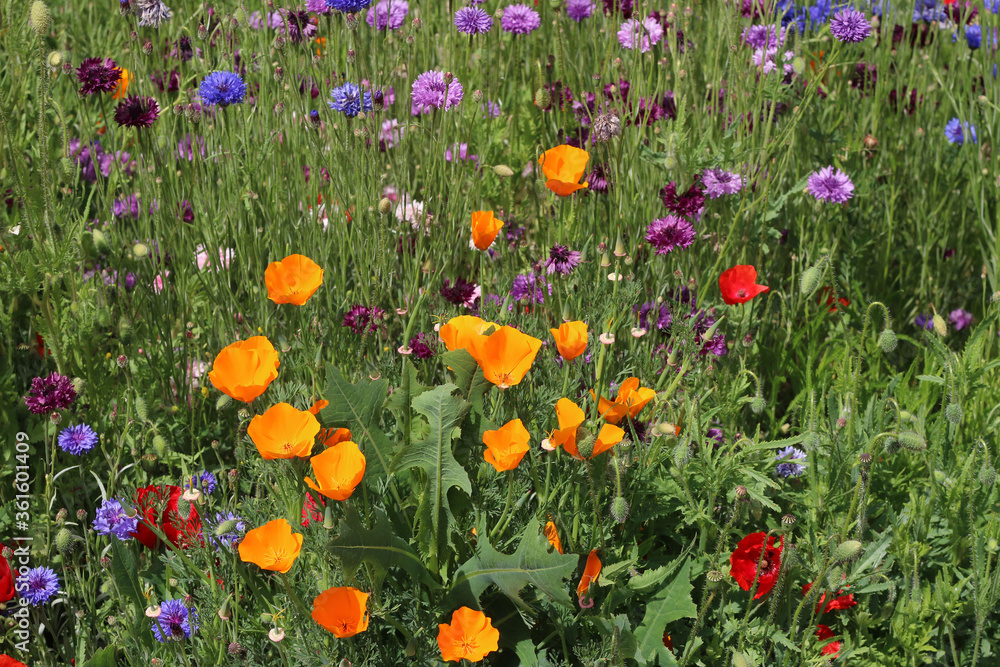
<point x="789" y="468"/>
<point x="175" y="622"/>
<point x="348" y="5"/>
<point x="222" y="88"/>
<point x="112" y="519"/>
<point x="204" y="481"/>
<point x="925" y="322"/>
<point x="955" y="131"/>
<point x="348" y="99"/>
<point x="974" y="36"/>
<point x="37" y="585"/>
<point x="78" y="439"/>
<point x="227" y="530"/>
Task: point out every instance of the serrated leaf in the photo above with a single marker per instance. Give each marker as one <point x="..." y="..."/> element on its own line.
<point x="931" y="378"/>
<point x="124" y="572"/>
<point x="670" y="604"/>
<point x="103" y="658"/>
<point x="357" y="407"/>
<point x="379" y="546"/>
<point x="531" y="563"/>
<point x="468" y="376"/>
<point x="779" y="637"/>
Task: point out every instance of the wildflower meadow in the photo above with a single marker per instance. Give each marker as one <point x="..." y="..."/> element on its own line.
<point x="543" y="333"/>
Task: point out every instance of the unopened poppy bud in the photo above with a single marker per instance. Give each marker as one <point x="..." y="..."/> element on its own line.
<point x="682" y="454"/>
<point x="265" y="618"/>
<point x="503" y="171"/>
<point x="55" y="58"/>
<point x="740" y="659"/>
<point x="585" y="445"/>
<point x="987" y="475"/>
<point x="543" y="99"/>
<point x="41" y="17"/>
<point x="225" y="527"/>
<point x="65" y="541"/>
<point x="809" y="281"/>
<point x="953" y="413"/>
<point x="710" y="334"/>
<point x="160" y="446"/>
<point x="345" y="663"/>
<point x="887" y="340"/>
<point x="384" y="206"/>
<point x="226" y="610"/>
<point x="619" y="509"/>
<point x="912" y="441"/>
<point x="940" y="327"/>
<point x="241" y="16"/>
<point x="101" y="243"/>
<point x="847" y="551"/>
<point x="758" y="404"/>
<point x="328" y="517"/>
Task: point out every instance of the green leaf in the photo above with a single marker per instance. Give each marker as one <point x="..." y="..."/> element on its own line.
<point x="124" y="572"/>
<point x="357" y="407"/>
<point x="379" y="546"/>
<point x="468" y="376"/>
<point x="531" y="563"/>
<point x="931" y="378"/>
<point x="671" y="603"/>
<point x="103" y="658"/>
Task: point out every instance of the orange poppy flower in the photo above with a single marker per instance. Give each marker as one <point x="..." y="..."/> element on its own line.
<point x="552" y="534"/>
<point x="607" y="437"/>
<point x="283" y="432"/>
<point x="318" y="405"/>
<point x="506" y="446"/>
<point x="563" y="166"/>
<point x="590" y="573"/>
<point x="342" y="610"/>
<point x="630" y="401"/>
<point x="338" y="470"/>
<point x="459" y="332"/>
<point x="328" y="437"/>
<point x="292" y="280"/>
<point x="485" y="228"/>
<point x="320" y="45"/>
<point x="470" y="636"/>
<point x="505" y="355"/>
<point x="272" y="547"/>
<point x="570" y="418"/>
<point x="122" y="87"/>
<point x="244" y="369"/>
<point x="571" y="339"/>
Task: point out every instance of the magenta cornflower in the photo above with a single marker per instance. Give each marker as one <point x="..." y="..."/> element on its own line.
<point x="520" y="19"/>
<point x="50" y="393"/>
<point x="362" y="319"/>
<point x="641" y="35"/>
<point x="136" y="111"/>
<point x="97" y="75"/>
<point x="850" y="25"/>
<point x="669" y="233"/>
<point x="718" y="183"/>
<point x="431" y="90"/>
<point x="473" y="21"/>
<point x="831" y="185"/>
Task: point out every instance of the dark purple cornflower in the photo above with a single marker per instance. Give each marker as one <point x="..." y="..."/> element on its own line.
<point x="513" y="234"/>
<point x="184" y="50"/>
<point x="864" y="77"/>
<point x="618" y="90"/>
<point x="111" y="518"/>
<point x="175" y="622"/>
<point x="50" y="393"/>
<point x="716" y="434"/>
<point x="37" y="585"/>
<point x="520" y="19"/>
<point x="925" y="322"/>
<point x="363" y="320"/>
<point x="296" y="25"/>
<point x="669" y="233"/>
<point x="98" y="75"/>
<point x="462" y="293"/>
<point x="473" y="21"/>
<point x="719" y="182"/>
<point x="598" y="179"/>
<point x="562" y="260"/>
<point x="686" y="205"/>
<point x="77" y="440"/>
<point x="421" y="348"/>
<point x="170" y="85"/>
<point x="849" y="25"/>
<point x="136" y="111"/>
<point x="529" y="287"/>
<point x="623" y="7"/>
<point x="830" y="185"/>
<point x="960" y="318"/>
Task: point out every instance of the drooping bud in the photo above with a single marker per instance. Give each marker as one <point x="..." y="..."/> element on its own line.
<point x="987" y="475"/>
<point x="225" y="527"/>
<point x="940" y="326"/>
<point x="809" y="281"/>
<point x="953" y="412"/>
<point x="65" y="541"/>
<point x="847" y="551"/>
<point x="887" y="340"/>
<point x="101" y="242"/>
<point x="160" y="446"/>
<point x="758" y="404"/>
<point x="682" y="454"/>
<point x="241" y="16"/>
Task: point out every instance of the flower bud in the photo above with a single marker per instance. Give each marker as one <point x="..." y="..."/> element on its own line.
<point x="81" y="515"/>
<point x="227" y="608"/>
<point x="809" y="281"/>
<point x="987" y="475"/>
<point x="619" y="509"/>
<point x="140" y="250"/>
<point x="912" y="441"/>
<point x="279" y="42"/>
<point x="147" y="48"/>
<point x="351" y="20"/>
<point x="65" y="541"/>
<point x="682" y="454"/>
<point x="953" y="412"/>
<point x="477" y="96"/>
<point x="758" y="404"/>
<point x="328" y="517"/>
<point x="940" y="327"/>
<point x="887" y="340"/>
<point x="543" y="99"/>
<point x="585" y="443"/>
<point x="160" y="446"/>
<point x="740" y="659"/>
<point x="278" y="109"/>
<point x="241" y="16"/>
<point x="193" y="113"/>
<point x="265" y="618"/>
<point x="847" y="551"/>
<point x="101" y="242"/>
<point x="41" y="17"/>
<point x="55" y="59"/>
<point x="710" y="334"/>
<point x="384" y="206"/>
<point x="503" y="171"/>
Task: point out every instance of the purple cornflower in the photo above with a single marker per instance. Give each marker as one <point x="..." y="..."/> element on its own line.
<point x="579" y="9"/>
<point x="925" y="322"/>
<point x="226" y="531"/>
<point x="204" y="481"/>
<point x="78" y="439"/>
<point x="388" y="14"/>
<point x="430" y="91"/>
<point x="764" y="36"/>
<point x="350" y="100"/>
<point x="641" y="35"/>
<point x="960" y="318"/>
<point x="136" y="111"/>
<point x="955" y="131"/>
<point x="666" y="234"/>
<point x="175" y="622"/>
<point x="318" y="7"/>
<point x="462" y="151"/>
<point x="850" y="25"/>
<point x="390" y="134"/>
<point x="789" y="468"/>
<point x="363" y="320"/>
<point x="37" y="585"/>
<point x="473" y="21"/>
<point x="462" y="293"/>
<point x="529" y="287"/>
<point x="91" y="158"/>
<point x="111" y="519"/>
<point x="829" y="184"/>
<point x="562" y="260"/>
<point x="520" y="19"/>
<point x="420" y="347"/>
<point x="718" y="183"/>
<point x="50" y="393"/>
<point x="97" y="75"/>
<point x="296" y="25"/>
<point x="598" y="179"/>
<point x="687" y="205"/>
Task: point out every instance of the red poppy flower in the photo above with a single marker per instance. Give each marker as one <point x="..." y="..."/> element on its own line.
<point x="7" y="661"/>
<point x="158" y="506"/>
<point x="836" y="604"/>
<point x="831" y="302"/>
<point x="744" y="559"/>
<point x="738" y="284"/>
<point x="832" y="649"/>
<point x="6" y="581"/>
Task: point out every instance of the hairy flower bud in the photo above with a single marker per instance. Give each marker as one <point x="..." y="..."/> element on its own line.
<point x="619" y="509"/>
<point x="809" y="280"/>
<point x="503" y="171"/>
<point x="758" y="404"/>
<point x="543" y="99"/>
<point x="66" y="541"/>
<point x="41" y="17"/>
<point x="887" y="340"/>
<point x="987" y="475"/>
<point x="912" y="441"/>
<point x="953" y="412"/>
<point x="384" y="206"/>
<point x="847" y="551"/>
<point x="940" y="326"/>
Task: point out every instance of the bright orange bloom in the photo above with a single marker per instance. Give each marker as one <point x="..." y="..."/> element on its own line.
<point x="338" y="470"/>
<point x="459" y="332"/>
<point x="630" y="401"/>
<point x="590" y="573"/>
<point x="607" y="437"/>
<point x="283" y="432"/>
<point x="342" y="610"/>
<point x="571" y="339"/>
<point x="563" y="166"/>
<point x="318" y="405"/>
<point x="506" y="446"/>
<point x="552" y="534"/>
<point x="485" y="228"/>
<point x="328" y="437"/>
<point x="244" y="369"/>
<point x="320" y="45"/>
<point x="122" y="87"/>
<point x="292" y="280"/>
<point x="272" y="547"/>
<point x="505" y="355"/>
<point x="470" y="636"/>
<point x="570" y="418"/>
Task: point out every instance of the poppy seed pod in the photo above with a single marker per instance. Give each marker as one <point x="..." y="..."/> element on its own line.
<point x="714" y="578"/>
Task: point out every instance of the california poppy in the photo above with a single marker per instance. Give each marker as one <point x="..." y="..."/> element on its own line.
<point x="317" y="406"/>
<point x="342" y="610"/>
<point x="328" y="437"/>
<point x="506" y="446"/>
<point x="743" y="563"/>
<point x="272" y="547"/>
<point x="629" y="402"/>
<point x="470" y="636"/>
<point x="505" y="355"/>
<point x="292" y="280"/>
<point x="485" y="228"/>
<point x="459" y="332"/>
<point x="570" y="416"/>
<point x="7" y="577"/>
<point x="738" y="284"/>
<point x="158" y="506"/>
<point x="571" y="339"/>
<point x="283" y="432"/>
<point x="836" y="604"/>
<point x="823" y="632"/>
<point x="563" y="166"/>
<point x="244" y="369"/>
<point x="590" y="573"/>
<point x="122" y="87"/>
<point x="338" y="470"/>
<point x="552" y="535"/>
